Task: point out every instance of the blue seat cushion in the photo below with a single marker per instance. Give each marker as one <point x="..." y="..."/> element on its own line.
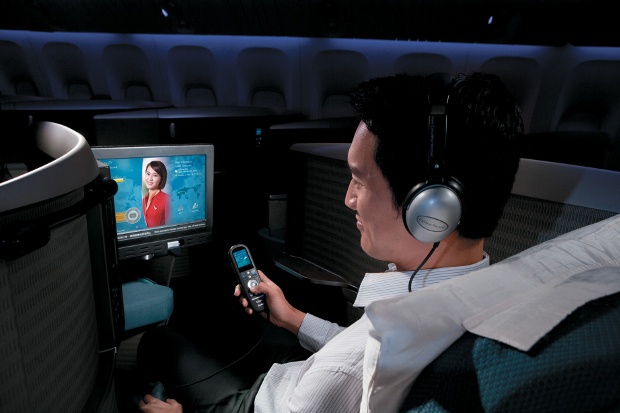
<point x="146" y="302"/>
<point x="574" y="368"/>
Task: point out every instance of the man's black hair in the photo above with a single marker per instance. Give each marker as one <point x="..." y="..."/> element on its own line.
<point x="484" y="124"/>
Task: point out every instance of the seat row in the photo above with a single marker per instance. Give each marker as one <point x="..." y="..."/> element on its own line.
<point x="566" y="89"/>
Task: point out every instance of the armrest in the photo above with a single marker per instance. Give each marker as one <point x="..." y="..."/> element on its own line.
<point x="306" y="270"/>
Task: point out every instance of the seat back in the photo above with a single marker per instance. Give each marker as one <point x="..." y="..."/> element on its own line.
<point x="56" y="316"/>
<point x="574" y="368"/>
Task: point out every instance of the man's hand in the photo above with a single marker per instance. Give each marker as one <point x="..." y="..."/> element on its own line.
<point x="280" y="311"/>
<point x="151" y="404"/>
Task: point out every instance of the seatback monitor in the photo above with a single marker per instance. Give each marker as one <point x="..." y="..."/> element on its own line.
<point x="164" y="199"/>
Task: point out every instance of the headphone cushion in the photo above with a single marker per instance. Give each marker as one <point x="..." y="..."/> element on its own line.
<point x="433" y="211"/>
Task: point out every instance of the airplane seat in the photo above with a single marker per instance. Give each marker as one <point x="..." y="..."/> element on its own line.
<point x="574" y="147"/>
<point x="264" y="75"/>
<point x="80" y="90"/>
<point x="148" y="299"/>
<point x="138" y="91"/>
<point x="522" y="77"/>
<point x="130" y="73"/>
<point x="589" y="105"/>
<point x="577" y="141"/>
<point x="66" y="65"/>
<point x="573" y="368"/>
<point x="199" y="95"/>
<point x="192" y="73"/>
<point x="334" y="74"/>
<point x="16" y="77"/>
<point x="60" y="306"/>
<point x="423" y="64"/>
<point x="556" y="347"/>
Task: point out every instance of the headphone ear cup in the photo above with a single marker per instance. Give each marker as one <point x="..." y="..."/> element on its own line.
<point x="431" y="212"/>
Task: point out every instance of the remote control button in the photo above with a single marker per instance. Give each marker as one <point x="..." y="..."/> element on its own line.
<point x="252" y="283"/>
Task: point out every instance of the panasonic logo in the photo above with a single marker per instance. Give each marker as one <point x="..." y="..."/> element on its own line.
<point x="432" y="224"/>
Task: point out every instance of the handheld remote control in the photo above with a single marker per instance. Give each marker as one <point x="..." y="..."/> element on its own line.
<point x="247" y="274"/>
<point x="159" y="392"/>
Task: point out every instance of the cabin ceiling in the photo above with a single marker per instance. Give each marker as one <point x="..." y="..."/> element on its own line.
<point x="542" y="22"/>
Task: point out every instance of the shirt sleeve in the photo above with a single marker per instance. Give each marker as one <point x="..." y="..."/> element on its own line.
<point x="314" y="332"/>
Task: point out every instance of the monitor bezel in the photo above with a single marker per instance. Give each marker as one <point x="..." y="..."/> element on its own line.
<point x="152" y="245"/>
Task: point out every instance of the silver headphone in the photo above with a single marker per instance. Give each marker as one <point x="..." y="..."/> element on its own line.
<point x="433" y="208"/>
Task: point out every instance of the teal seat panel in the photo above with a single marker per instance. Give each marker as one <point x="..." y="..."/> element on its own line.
<point x="574" y="368"/>
<point x="146" y="303"/>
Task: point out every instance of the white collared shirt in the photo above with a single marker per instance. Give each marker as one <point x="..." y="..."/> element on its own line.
<point x="376" y="286"/>
<point x="331" y="379"/>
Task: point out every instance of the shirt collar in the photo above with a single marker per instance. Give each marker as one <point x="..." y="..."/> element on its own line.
<point x="378" y="286"/>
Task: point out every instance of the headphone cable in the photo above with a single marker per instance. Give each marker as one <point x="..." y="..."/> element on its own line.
<point x="435" y="245"/>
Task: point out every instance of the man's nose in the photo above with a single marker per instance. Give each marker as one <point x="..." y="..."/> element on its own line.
<point x="349" y="199"/>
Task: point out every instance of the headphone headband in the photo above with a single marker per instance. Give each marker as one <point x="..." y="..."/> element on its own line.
<point x="432" y="209"/>
<point x="437" y="132"/>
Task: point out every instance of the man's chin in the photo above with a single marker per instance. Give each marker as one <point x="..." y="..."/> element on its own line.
<point x="366" y="247"/>
<point x="371" y="251"/>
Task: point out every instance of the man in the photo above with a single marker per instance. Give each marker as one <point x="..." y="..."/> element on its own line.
<point x="395" y="164"/>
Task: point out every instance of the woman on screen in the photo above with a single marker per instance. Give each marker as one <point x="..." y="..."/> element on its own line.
<point x="155" y="203"/>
